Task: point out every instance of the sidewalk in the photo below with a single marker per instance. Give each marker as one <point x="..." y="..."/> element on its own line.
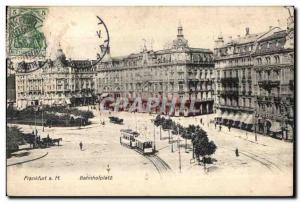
<point x="26" y="155"/>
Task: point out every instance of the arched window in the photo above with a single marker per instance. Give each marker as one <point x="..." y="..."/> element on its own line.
<point x="292" y="57"/>
<point x="277" y="59"/>
<point x="268" y="60"/>
<point x="258" y="60"/>
<point x="194" y="58"/>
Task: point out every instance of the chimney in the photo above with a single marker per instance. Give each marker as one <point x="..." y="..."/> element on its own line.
<point x="247" y="31"/>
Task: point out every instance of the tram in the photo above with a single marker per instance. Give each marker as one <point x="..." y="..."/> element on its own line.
<point x="144" y="145"/>
<point x="128" y="137"/>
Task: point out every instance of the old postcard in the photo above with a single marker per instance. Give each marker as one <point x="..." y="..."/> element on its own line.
<point x="150" y="101"/>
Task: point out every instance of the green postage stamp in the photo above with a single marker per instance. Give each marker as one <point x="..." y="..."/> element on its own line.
<point x="24" y="31"/>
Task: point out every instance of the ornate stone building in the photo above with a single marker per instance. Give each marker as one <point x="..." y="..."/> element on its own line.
<point x="255" y="81"/>
<point x="180" y="72"/>
<point x="55" y="82"/>
<point x="274" y="83"/>
<point x="234" y="86"/>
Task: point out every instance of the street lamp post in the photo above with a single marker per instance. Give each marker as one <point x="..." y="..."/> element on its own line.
<point x="255" y="125"/>
<point x="35" y="120"/>
<point x="43" y="119"/>
<point x="160" y="132"/>
<point x="179" y="154"/>
<point x="154" y="138"/>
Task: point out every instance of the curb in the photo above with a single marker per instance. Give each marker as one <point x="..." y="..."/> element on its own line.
<point x="28" y="160"/>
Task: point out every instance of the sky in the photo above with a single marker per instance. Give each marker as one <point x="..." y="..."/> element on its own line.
<point x="131" y="27"/>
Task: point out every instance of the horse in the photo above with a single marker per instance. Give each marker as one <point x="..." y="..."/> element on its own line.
<point x="56" y="140"/>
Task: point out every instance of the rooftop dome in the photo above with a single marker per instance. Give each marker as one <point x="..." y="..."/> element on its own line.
<point x="60" y="55"/>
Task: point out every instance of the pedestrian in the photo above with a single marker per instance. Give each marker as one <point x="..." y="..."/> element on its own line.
<point x="220" y="127"/>
<point x="216" y="125"/>
<point x="246" y="135"/>
<point x="229" y="128"/>
<point x="80" y="145"/>
<point x="201" y="120"/>
<point x="236" y="152"/>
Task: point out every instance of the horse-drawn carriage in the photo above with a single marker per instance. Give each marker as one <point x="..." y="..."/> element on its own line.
<point x="37" y="142"/>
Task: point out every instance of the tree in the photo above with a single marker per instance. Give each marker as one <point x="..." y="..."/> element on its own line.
<point x="14" y="138"/>
<point x="202" y="146"/>
<point x="158" y="122"/>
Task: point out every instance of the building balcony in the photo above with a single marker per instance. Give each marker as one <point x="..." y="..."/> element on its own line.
<point x="268" y="99"/>
<point x="277" y="99"/>
<point x="291" y="84"/>
<point x="245" y="80"/>
<point x="224" y="106"/>
<point x="268" y="83"/>
<point x="229" y="80"/>
<point x="227" y="92"/>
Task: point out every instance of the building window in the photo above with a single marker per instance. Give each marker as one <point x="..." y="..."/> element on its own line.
<point x="277" y="59"/>
<point x="268" y="60"/>
<point x="259" y="61"/>
<point x="292" y="57"/>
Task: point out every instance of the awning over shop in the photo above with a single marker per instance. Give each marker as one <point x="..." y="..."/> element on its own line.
<point x="218" y="114"/>
<point x="104" y="95"/>
<point x="113" y="104"/>
<point x="243" y="118"/>
<point x="230" y="116"/>
<point x="225" y="115"/>
<point x="237" y="117"/>
<point x="275" y="127"/>
<point x="76" y="117"/>
<point x="68" y="101"/>
<point x="250" y="119"/>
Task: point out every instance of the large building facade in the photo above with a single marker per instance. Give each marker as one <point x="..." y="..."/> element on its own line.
<point x="255" y="82"/>
<point x="274" y="83"/>
<point x="234" y="80"/>
<point x="180" y="72"/>
<point x="55" y="83"/>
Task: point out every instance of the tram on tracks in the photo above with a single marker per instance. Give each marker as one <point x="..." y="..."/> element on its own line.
<point x="128" y="137"/>
<point x="144" y="145"/>
<point x="133" y="140"/>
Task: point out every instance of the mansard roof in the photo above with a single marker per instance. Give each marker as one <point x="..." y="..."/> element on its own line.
<point x="275" y="35"/>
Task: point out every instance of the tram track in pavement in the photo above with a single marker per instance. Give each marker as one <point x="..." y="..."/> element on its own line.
<point x="267" y="163"/>
<point x="261" y="160"/>
<point x="160" y="165"/>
